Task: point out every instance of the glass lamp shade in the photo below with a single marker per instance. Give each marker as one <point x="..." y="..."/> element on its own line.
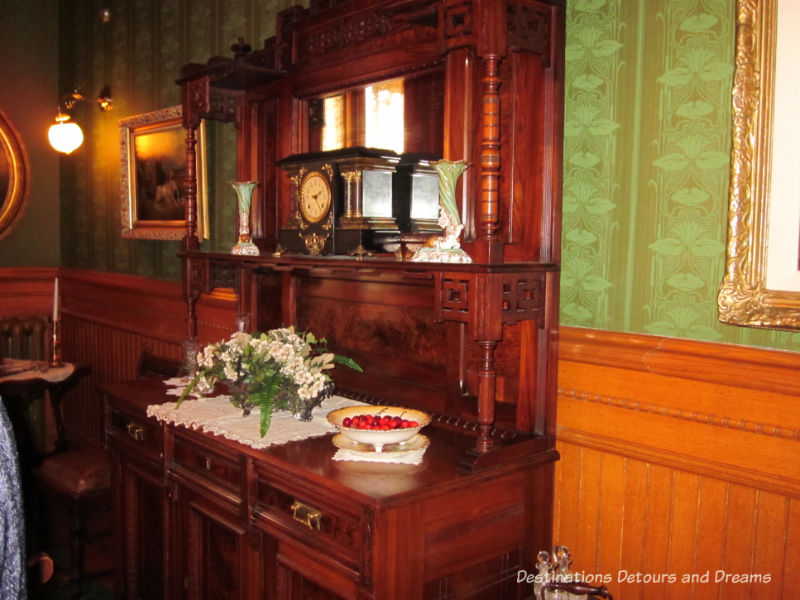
<point x="64" y="135"/>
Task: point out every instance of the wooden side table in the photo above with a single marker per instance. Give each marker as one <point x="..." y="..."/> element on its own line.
<point x="22" y="381"/>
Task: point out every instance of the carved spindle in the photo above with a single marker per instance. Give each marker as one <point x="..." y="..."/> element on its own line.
<point x="190" y="241"/>
<point x="489" y="214"/>
<point x="487" y="378"/>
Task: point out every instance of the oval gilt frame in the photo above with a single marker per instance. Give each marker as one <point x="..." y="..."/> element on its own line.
<point x="13" y="205"/>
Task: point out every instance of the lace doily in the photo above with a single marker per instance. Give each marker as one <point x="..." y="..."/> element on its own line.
<point x="413" y="457"/>
<point x="218" y="416"/>
<point x="13" y="369"/>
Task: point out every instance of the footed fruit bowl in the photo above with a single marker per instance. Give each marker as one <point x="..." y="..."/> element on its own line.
<point x="378" y="425"/>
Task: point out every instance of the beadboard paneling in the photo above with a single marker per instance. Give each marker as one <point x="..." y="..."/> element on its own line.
<point x="107" y="320"/>
<point x="110" y="318"/>
<point x="678" y="457"/>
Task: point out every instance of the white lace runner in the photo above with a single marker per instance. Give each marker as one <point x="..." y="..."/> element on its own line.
<point x="218" y="416"/>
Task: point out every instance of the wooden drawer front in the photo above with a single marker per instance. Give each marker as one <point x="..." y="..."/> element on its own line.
<point x="207" y="467"/>
<point x="140" y="436"/>
<point x="315" y="523"/>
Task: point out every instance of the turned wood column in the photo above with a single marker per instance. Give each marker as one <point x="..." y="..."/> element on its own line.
<point x="190" y="240"/>
<point x="489" y="206"/>
<point x="491" y="49"/>
<point x="487" y="331"/>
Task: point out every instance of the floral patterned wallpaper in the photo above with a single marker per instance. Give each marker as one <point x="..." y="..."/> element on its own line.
<point x="646" y="159"/>
<point x="647" y="139"/>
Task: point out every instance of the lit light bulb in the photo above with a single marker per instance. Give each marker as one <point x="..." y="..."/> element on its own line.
<point x="64" y="135"/>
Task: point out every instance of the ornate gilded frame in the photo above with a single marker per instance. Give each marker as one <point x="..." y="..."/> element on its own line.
<point x="744" y="298"/>
<point x="15" y="167"/>
<point x="158" y="126"/>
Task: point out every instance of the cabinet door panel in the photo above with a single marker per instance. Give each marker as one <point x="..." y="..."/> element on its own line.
<point x="216" y="553"/>
<point x="141" y="510"/>
<point x="299" y="577"/>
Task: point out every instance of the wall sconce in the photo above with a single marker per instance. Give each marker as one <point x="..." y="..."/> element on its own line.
<point x="66" y="135"/>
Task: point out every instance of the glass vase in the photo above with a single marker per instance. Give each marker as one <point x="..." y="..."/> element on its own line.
<point x="244" y="196"/>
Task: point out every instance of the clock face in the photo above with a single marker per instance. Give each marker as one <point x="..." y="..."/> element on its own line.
<point x="315" y="197"/>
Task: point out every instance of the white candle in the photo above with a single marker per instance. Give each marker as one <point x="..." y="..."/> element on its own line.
<point x="55" y="302"/>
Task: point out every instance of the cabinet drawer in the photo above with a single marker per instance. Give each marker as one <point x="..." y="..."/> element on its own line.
<point x="142" y="437"/>
<point x="206" y="466"/>
<point x="316" y="522"/>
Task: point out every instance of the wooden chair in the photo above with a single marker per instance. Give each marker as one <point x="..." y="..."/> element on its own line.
<point x="151" y="365"/>
<point x="81" y="479"/>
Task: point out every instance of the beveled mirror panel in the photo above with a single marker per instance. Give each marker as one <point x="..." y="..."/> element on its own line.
<point x="14" y="174"/>
<point x="761" y="287"/>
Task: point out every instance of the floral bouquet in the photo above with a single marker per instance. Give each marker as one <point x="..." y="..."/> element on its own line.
<point x="277" y="370"/>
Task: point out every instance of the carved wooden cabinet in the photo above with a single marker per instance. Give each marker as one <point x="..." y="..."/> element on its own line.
<point x="142" y="527"/>
<point x="290" y="522"/>
<point x="474" y="344"/>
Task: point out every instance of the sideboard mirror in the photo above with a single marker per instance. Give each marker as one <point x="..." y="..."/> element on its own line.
<point x="13" y="177"/>
<point x="403" y="114"/>
<point x="761" y="287"/>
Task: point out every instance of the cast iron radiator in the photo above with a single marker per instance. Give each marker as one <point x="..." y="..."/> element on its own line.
<point x="23" y="337"/>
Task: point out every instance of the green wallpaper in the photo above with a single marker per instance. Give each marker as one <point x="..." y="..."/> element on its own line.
<point x="139" y="53"/>
<point x="645" y="167"/>
<point x="646" y="159"/>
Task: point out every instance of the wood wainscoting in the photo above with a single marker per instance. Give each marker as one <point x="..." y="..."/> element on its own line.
<point x="26" y="291"/>
<point x="679" y="458"/>
<point x="107" y="319"/>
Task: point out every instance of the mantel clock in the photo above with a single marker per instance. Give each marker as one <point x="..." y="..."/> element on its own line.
<point x="342" y="201"/>
<point x="311" y="224"/>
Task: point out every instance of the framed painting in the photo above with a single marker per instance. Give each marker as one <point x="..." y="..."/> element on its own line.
<point x="761" y="286"/>
<point x="153" y="173"/>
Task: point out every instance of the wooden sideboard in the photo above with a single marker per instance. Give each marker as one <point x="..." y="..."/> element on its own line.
<point x="199" y="516"/>
<point x="474" y="344"/>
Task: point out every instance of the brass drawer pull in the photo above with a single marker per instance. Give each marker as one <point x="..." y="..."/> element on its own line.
<point x="136" y="431"/>
<point x="302" y="513"/>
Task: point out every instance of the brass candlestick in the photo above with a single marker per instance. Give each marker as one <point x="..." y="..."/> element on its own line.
<point x="55" y="345"/>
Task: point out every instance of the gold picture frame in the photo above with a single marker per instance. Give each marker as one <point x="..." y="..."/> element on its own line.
<point x="153" y="167"/>
<point x="14" y="172"/>
<point x="748" y="294"/>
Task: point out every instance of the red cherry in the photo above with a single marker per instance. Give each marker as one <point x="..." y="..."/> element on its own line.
<point x="347" y="421"/>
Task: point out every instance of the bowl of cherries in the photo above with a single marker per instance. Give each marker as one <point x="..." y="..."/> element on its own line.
<point x="378" y="425"/>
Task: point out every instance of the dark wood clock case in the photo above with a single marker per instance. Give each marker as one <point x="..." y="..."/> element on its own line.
<point x="474" y="344"/>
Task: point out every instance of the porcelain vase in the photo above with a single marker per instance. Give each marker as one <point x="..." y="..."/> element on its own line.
<point x="446" y="247"/>
<point x="244" y="195"/>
